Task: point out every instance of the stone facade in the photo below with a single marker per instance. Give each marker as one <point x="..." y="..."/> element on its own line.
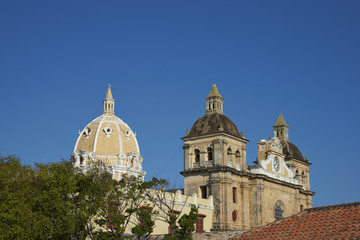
<point x="244" y="196"/>
<point x="231" y="195"/>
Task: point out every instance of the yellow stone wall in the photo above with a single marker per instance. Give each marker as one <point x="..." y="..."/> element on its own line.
<point x="182" y="204"/>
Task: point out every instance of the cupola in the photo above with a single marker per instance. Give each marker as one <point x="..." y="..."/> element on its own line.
<point x="281" y="129"/>
<point x="214" y="101"/>
<point x="109" y="103"/>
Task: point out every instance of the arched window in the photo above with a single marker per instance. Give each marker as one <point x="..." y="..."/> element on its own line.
<point x="203" y="192"/>
<point x="197" y="155"/>
<point x="234" y="216"/>
<point x="229" y="151"/>
<point x="278" y="211"/>
<point x="229" y="154"/>
<point x="237" y="155"/>
<point x="210" y="153"/>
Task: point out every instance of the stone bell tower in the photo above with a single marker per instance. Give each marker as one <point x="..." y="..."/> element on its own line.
<point x="215" y="163"/>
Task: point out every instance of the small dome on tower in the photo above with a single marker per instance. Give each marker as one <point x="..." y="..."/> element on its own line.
<point x="281" y="131"/>
<point x="214" y="121"/>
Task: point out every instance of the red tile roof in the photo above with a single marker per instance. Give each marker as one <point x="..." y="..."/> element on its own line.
<point x="328" y="222"/>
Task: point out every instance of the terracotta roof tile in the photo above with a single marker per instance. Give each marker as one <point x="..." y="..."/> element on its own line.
<point x="328" y="222"/>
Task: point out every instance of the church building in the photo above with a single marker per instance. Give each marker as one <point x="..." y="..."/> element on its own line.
<point x="230" y="194"/>
<point x="244" y="196"/>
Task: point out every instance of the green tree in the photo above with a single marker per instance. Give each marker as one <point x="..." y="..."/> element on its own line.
<point x="36" y="203"/>
<point x="50" y="201"/>
<point x="15" y="201"/>
<point x="187" y="224"/>
<point x="164" y="198"/>
<point x="123" y="206"/>
<point x="57" y="201"/>
<point x="145" y="225"/>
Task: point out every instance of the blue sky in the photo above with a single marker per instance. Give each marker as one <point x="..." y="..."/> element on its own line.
<point x="299" y="58"/>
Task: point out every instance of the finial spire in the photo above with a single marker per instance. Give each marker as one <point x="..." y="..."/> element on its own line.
<point x="280" y="121"/>
<point x="214" y="101"/>
<point x="109" y="94"/>
<point x="109" y="102"/>
<point x="214" y="92"/>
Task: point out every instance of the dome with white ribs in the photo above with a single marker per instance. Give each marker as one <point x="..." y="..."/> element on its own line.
<point x="110" y="140"/>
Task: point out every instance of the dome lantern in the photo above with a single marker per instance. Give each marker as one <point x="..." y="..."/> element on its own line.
<point x="214" y="101"/>
<point x="109" y="102"/>
<point x="281" y="129"/>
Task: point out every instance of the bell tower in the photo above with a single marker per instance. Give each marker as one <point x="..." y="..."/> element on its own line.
<point x="215" y="164"/>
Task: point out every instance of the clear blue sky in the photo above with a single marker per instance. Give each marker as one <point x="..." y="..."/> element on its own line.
<point x="300" y="58"/>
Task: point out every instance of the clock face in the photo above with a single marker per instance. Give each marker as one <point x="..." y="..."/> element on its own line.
<point x="276" y="164"/>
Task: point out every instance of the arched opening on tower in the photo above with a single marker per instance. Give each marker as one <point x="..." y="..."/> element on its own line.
<point x="210" y="153"/>
<point x="237" y="155"/>
<point x="229" y="155"/>
<point x="197" y="155"/>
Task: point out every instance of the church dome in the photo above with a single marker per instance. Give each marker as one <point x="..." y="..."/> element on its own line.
<point x="291" y="151"/>
<point x="107" y="135"/>
<point x="111" y="141"/>
<point x="213" y="123"/>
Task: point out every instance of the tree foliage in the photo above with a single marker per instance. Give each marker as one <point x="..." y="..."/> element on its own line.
<point x="187" y="224"/>
<point x="56" y="201"/>
<point x="165" y="199"/>
<point x="145" y="224"/>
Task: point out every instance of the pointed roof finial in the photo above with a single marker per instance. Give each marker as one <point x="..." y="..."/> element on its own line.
<point x="109" y="94"/>
<point x="214" y="92"/>
<point x="280" y="121"/>
<point x="109" y="102"/>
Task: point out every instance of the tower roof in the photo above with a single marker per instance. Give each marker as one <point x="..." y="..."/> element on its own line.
<point x="109" y="94"/>
<point x="214" y="92"/>
<point x="212" y="123"/>
<point x="109" y="103"/>
<point x="280" y="121"/>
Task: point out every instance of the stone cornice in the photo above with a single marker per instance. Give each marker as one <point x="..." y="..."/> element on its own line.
<point x="298" y="161"/>
<point x="194" y="172"/>
<point x="214" y="135"/>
